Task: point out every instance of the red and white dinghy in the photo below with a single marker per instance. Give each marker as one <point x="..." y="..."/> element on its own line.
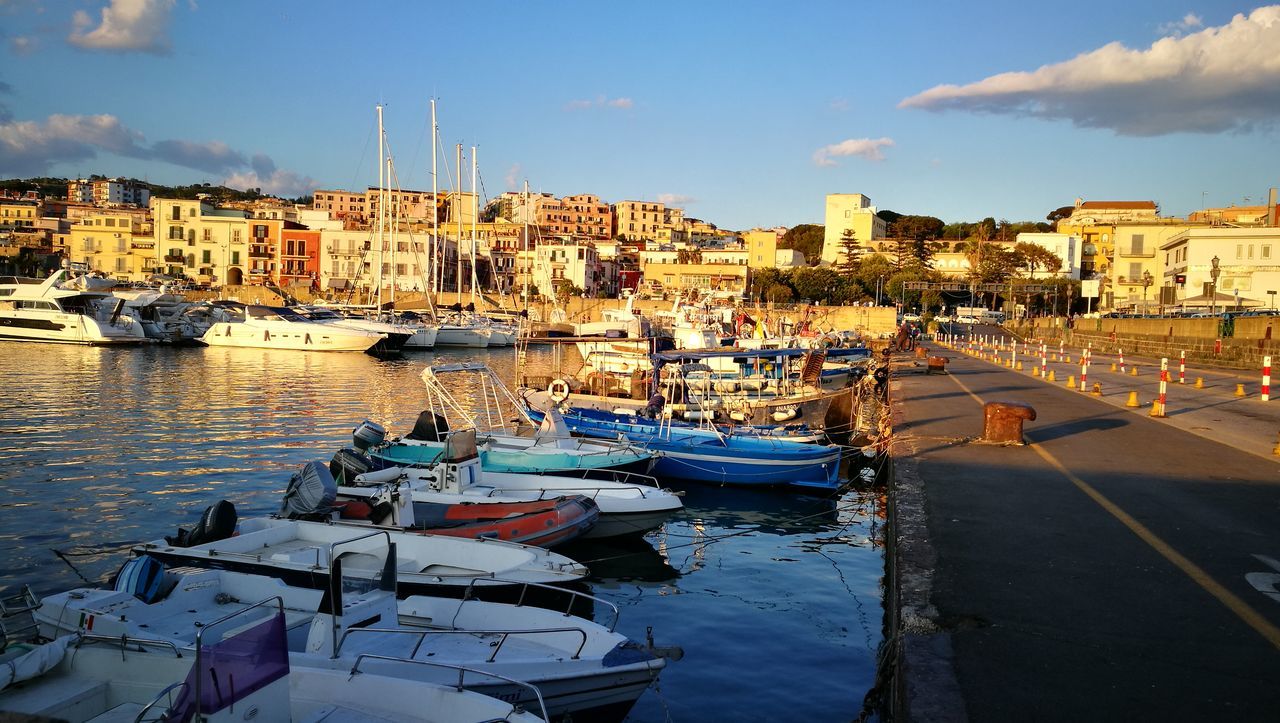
<point x="544" y="523"/>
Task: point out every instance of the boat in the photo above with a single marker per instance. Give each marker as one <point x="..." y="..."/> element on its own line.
<point x="581" y="668"/>
<point x="396" y="336"/>
<point x="275" y="327"/>
<point x="236" y="666"/>
<point x="377" y="499"/>
<point x="629" y="504"/>
<point x="165" y="317"/>
<point x="301" y="553"/>
<point x="710" y="455"/>
<point x="49" y="311"/>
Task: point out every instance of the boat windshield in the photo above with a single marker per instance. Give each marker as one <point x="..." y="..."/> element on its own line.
<point x="268" y="313"/>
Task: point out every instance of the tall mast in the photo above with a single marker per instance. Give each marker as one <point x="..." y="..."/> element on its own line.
<point x="433" y="285"/>
<point x="475" y="213"/>
<point x="527" y="277"/>
<point x="395" y="225"/>
<point x="382" y="206"/>
<point x="458" y="219"/>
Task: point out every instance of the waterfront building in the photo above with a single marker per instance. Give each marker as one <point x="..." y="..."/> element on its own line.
<point x="120" y="243"/>
<point x="641" y="220"/>
<point x="569" y="262"/>
<point x="17" y="214"/>
<point x="1248" y="263"/>
<point x="701" y="276"/>
<point x="1137" y="255"/>
<point x="1093" y="222"/>
<point x="849" y="212"/>
<point x="200" y="241"/>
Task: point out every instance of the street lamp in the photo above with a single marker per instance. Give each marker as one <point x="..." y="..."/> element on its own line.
<point x="879" y="286"/>
<point x="1213" y="285"/>
<point x="1146" y="284"/>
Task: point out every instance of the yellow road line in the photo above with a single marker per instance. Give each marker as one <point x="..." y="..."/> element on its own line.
<point x="1239" y="607"/>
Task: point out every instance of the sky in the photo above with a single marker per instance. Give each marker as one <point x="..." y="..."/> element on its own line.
<point x="744" y="113"/>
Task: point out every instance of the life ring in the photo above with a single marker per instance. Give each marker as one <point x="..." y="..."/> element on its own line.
<point x="558" y="390"/>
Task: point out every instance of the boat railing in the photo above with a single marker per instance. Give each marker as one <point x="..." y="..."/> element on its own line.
<point x="462" y="671"/>
<point x="125" y="641"/>
<point x="642" y="482"/>
<point x="574" y="595"/>
<point x="339" y="543"/>
<point x="503" y="635"/>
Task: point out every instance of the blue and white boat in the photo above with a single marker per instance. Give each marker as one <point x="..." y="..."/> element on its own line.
<point x="710" y="455"/>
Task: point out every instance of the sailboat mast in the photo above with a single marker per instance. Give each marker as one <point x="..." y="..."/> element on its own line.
<point x="433" y="285"/>
<point x="475" y="212"/>
<point x="395" y="225"/>
<point x="458" y="219"/>
<point x="527" y="279"/>
<point x="382" y="205"/>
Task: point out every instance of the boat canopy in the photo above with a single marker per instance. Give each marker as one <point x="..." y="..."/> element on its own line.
<point x="745" y="355"/>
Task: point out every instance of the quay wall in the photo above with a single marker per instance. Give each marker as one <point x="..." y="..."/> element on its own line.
<point x="1239" y="344"/>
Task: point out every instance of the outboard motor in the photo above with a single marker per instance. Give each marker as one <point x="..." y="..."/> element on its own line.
<point x="430" y="427"/>
<point x="311" y="493"/>
<point x="368" y="434"/>
<point x="348" y="463"/>
<point x="217" y="523"/>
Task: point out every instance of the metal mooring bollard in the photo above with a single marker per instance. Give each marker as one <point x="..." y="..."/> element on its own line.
<point x="936" y="364"/>
<point x="1002" y="421"/>
<point x="921" y="352"/>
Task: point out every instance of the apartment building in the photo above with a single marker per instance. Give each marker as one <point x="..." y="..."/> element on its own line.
<point x="1137" y="255"/>
<point x="1248" y="263"/>
<point x="849" y="212"/>
<point x="1094" y="222"/>
<point x="108" y="192"/>
<point x="762" y="247"/>
<point x="567" y="262"/>
<point x="299" y="256"/>
<point x="640" y="220"/>
<point x="339" y="204"/>
<point x="583" y="215"/>
<point x="118" y="242"/>
<point x="18" y="214"/>
<point x="1063" y="245"/>
<point x="198" y="240"/>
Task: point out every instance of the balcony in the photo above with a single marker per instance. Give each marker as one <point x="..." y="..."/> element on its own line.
<point x="143" y="245"/>
<point x="257" y="272"/>
<point x="259" y="254"/>
<point x="1136" y="253"/>
<point x="174" y="258"/>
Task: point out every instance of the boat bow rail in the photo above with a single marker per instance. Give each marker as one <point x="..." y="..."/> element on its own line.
<point x="574" y="596"/>
<point x="462" y="671"/>
<point x="503" y="635"/>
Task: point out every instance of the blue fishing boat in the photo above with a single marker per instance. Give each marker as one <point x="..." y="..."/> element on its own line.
<point x="709" y="455"/>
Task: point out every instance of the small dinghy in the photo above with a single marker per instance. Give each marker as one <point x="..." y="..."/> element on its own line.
<point x="240" y="670"/>
<point x="301" y="553"/>
<point x="581" y="668"/>
<point x="630" y="504"/>
<point x="377" y="499"/>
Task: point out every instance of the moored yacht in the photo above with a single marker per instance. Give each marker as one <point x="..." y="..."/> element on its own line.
<point x="396" y="335"/>
<point x="273" y="327"/>
<point x="49" y="311"/>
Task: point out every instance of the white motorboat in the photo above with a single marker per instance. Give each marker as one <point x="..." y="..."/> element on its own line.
<point x="165" y="317"/>
<point x="582" y="668"/>
<point x="458" y="330"/>
<point x="396" y="335"/>
<point x="301" y="553"/>
<point x="237" y="667"/>
<point x="273" y="327"/>
<point x="48" y="311"/>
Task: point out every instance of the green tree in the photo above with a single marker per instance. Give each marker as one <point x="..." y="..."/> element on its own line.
<point x="917" y="228"/>
<point x="1060" y="213"/>
<point x="1034" y="257"/>
<point x="850" y="253"/>
<point x="815" y="283"/>
<point x="807" y="239"/>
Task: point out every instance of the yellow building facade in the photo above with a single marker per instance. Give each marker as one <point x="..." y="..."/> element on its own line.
<point x="120" y="244"/>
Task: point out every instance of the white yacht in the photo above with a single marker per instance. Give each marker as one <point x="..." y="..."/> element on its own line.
<point x="274" y="327"/>
<point x="397" y="334"/>
<point x="49" y="311"/>
<point x="164" y="316"/>
<point x="459" y="330"/>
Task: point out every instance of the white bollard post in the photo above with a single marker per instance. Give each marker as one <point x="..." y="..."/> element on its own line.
<point x="1266" y="378"/>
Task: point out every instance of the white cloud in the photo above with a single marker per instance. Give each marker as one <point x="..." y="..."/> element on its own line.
<point x="1223" y="78"/>
<point x="839" y="104"/>
<point x="868" y="148"/>
<point x="600" y="101"/>
<point x="675" y="199"/>
<point x="513" y="176"/>
<point x="1179" y="27"/>
<point x="31" y="148"/>
<point x="126" y="25"/>
<point x="22" y="44"/>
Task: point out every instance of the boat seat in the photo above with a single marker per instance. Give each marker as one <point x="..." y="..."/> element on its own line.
<point x="56" y="698"/>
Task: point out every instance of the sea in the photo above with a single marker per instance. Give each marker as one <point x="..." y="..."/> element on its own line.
<point x="772" y="601"/>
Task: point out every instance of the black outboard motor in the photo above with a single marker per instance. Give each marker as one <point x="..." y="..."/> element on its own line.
<point x="430" y="427"/>
<point x="311" y="493"/>
<point x="347" y="463"/>
<point x="217" y="523"/>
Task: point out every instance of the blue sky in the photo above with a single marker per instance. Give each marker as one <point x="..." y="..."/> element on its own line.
<point x="745" y="113"/>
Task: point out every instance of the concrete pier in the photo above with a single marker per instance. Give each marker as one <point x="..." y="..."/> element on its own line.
<point x="1115" y="567"/>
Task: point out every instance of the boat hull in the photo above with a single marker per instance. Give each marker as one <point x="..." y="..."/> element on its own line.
<point x="319" y="339"/>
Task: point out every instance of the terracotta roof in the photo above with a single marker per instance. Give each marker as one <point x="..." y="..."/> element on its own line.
<point x="1118" y="204"/>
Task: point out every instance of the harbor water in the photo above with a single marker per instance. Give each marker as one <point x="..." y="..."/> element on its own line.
<point x="773" y="597"/>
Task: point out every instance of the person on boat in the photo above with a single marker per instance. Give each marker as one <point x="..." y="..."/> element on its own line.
<point x="653" y="410"/>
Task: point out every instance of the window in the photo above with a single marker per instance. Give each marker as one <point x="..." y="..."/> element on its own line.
<point x="207" y="234"/>
<point x="1265" y="251"/>
<point x="235" y="257"/>
<point x="109" y="222"/>
<point x="1135" y="247"/>
<point x="120" y="265"/>
<point x="848" y="214"/>
<point x="1239" y="251"/>
<point x="1135" y="272"/>
<point x="191" y="261"/>
<point x="205" y="256"/>
<point x="1250" y="250"/>
<point x="235" y="235"/>
<point x="177" y="214"/>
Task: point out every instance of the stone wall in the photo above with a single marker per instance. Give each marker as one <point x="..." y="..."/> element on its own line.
<point x="1252" y="338"/>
